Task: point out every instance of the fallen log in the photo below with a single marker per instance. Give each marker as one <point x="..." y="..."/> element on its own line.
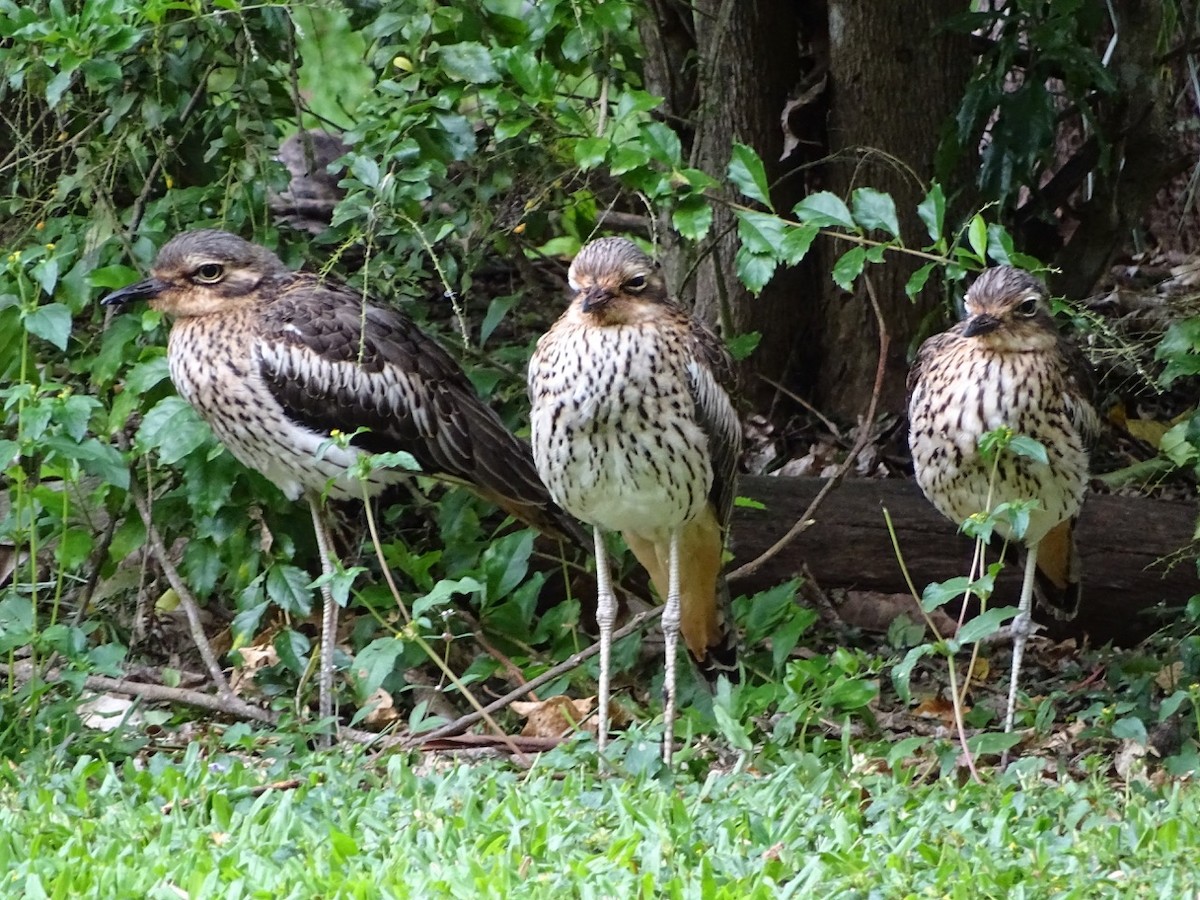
<point x="1130" y="546"/>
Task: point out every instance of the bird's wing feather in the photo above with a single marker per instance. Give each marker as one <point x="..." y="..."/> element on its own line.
<point x="710" y="373"/>
<point x="335" y="362"/>
<point x="1080" y="397"/>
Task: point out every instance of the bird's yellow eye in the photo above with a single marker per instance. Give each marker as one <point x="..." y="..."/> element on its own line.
<point x="636" y="283"/>
<point x="209" y="273"/>
<point x="1028" y="307"/>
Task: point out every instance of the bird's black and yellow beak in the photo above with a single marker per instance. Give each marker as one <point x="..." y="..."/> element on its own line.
<point x="142" y="290"/>
<point x="984" y="323"/>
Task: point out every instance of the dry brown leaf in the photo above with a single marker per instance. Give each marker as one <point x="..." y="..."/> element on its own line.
<point x="241" y="680"/>
<point x="937" y="707"/>
<point x="554" y="716"/>
<point x="382" y="709"/>
<point x="1168" y="677"/>
<point x="875" y="611"/>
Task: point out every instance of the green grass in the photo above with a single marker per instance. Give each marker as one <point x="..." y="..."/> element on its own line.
<point x="410" y="826"/>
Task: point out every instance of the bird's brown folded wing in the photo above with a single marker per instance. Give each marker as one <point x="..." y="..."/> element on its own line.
<point x="335" y="362"/>
<point x="711" y="378"/>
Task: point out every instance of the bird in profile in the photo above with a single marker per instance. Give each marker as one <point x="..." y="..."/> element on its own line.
<point x="276" y="361"/>
<point x="1005" y="365"/>
<point x="633" y="431"/>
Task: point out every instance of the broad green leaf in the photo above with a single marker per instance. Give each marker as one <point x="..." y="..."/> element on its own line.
<point x="1023" y="445"/>
<point x="761" y="233"/>
<point x="497" y="310"/>
<point x="993" y="742"/>
<point x="468" y="61"/>
<point x="288" y="588"/>
<point x="442" y="592"/>
<point x="754" y="269"/>
<point x="591" y="151"/>
<point x="662" y="143"/>
<point x="916" y="281"/>
<point x="373" y="663"/>
<point x="172" y="428"/>
<point x="51" y="322"/>
<point x="824" y="210"/>
<point x="1131" y="728"/>
<point x="693" y="217"/>
<point x="977" y="237"/>
<point x="849" y="267"/>
<point x="985" y="624"/>
<point x="293" y="649"/>
<point x="875" y="209"/>
<point x="740" y="346"/>
<point x="939" y="593"/>
<point x="797" y="239"/>
<point x="365" y="170"/>
<point x="932" y="212"/>
<point x="748" y="175"/>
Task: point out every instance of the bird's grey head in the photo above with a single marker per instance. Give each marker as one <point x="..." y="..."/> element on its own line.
<point x="1009" y="309"/>
<point x="201" y="272"/>
<point x="612" y="278"/>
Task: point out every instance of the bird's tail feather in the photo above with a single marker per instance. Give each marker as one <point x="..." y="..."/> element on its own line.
<point x="1058" y="582"/>
<point x="707" y="619"/>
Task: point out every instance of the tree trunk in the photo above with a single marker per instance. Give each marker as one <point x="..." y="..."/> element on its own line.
<point x="896" y="81"/>
<point x="745" y="63"/>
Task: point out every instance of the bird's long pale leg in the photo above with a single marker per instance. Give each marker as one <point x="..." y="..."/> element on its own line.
<point x="1020" y="631"/>
<point x="329" y="620"/>
<point x="670" y="625"/>
<point x="606" y="617"/>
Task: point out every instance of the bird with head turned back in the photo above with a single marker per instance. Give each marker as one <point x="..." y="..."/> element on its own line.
<point x="276" y="361"/>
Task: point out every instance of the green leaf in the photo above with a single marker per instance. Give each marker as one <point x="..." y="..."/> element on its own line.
<point x="497" y="310"/>
<point x="985" y="624"/>
<point x="932" y="212"/>
<point x="748" y="175"/>
<point x="172" y="428"/>
<point x="761" y="233"/>
<point x="373" y="663"/>
<point x="916" y="282"/>
<point x="942" y="592"/>
<point x="51" y="322"/>
<point x="442" y="592"/>
<point x="875" y="209"/>
<point x="740" y="346"/>
<point x="662" y="142"/>
<point x="693" y="217"/>
<point x="590" y="152"/>
<point x="797" y="239"/>
<point x="366" y="170"/>
<point x="754" y="269"/>
<point x="993" y="742"/>
<point x="288" y="588"/>
<point x="824" y="210"/>
<point x="293" y="649"/>
<point x="1131" y="728"/>
<point x="1023" y="445"/>
<point x="977" y="237"/>
<point x="902" y="671"/>
<point x="849" y="267"/>
<point x="468" y="61"/>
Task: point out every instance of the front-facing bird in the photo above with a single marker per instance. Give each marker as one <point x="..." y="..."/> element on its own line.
<point x="276" y="361"/>
<point x="633" y="431"/>
<point x="1005" y="365"/>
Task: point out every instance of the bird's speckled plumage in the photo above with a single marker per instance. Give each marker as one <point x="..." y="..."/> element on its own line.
<point x="1005" y="365"/>
<point x="274" y="360"/>
<point x="633" y="430"/>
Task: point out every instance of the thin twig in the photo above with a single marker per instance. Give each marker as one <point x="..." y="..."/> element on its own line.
<point x="806" y="519"/>
<point x="533" y="684"/>
<point x="800" y="401"/>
